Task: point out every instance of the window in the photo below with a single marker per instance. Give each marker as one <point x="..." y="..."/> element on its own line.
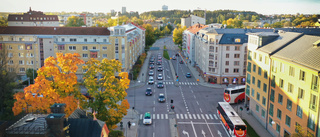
<point x="11" y="69"/>
<point x="264" y="87"/>
<point x="266" y="60"/>
<point x="302" y="75"/>
<point x="84" y="55"/>
<point x="271" y="109"/>
<point x="313" y="102"/>
<point x="280" y="99"/>
<point x="85" y="40"/>
<point x="21" y="62"/>
<point x="237" y="48"/>
<point x="20" y="47"/>
<point x="299" y="111"/>
<point x="279" y="113"/>
<point x="264" y="101"/>
<point x="93" y="54"/>
<point x="236" y="63"/>
<point x="104" y="48"/>
<point x="281" y="83"/>
<point x="72" y="48"/>
<point x="227" y="55"/>
<point x="29" y="47"/>
<point x="314" y="82"/>
<point x="10" y="54"/>
<point x="60" y="47"/>
<point x="273" y="81"/>
<point x="254" y="67"/>
<point x="104" y="40"/>
<point x="258" y="96"/>
<point x="290" y="88"/>
<point x="226" y="70"/>
<point x="278" y="128"/>
<point x="249" y="67"/>
<point x="252" y="92"/>
<point x="291" y="71"/>
<point x="62" y="39"/>
<point x="289" y="104"/>
<point x="237" y="40"/>
<point x="94" y="47"/>
<point x="253" y="80"/>
<point x="260" y="57"/>
<point x="236" y="70"/>
<point x="297" y="127"/>
<point x="249" y="55"/>
<point x="248" y="78"/>
<point x="248" y="90"/>
<point x="227" y="48"/>
<point x="259" y="83"/>
<point x="10" y="62"/>
<point x="73" y="40"/>
<point x="84" y="47"/>
<point x="227" y="63"/>
<point x="95" y="40"/>
<point x="22" y="69"/>
<point x="272" y="95"/>
<point x="254" y="55"/>
<point x="263" y="113"/>
<point x="288" y="120"/>
<point x="311" y="121"/>
<point x="266" y="74"/>
<point x="300" y="93"/>
<point x="236" y="55"/>
<point x="20" y="54"/>
<point x="104" y="55"/>
<point x="281" y="67"/>
<point x="257" y="108"/>
<point x="259" y="71"/>
<point x="270" y="121"/>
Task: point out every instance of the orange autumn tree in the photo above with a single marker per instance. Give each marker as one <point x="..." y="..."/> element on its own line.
<point x="109" y="91"/>
<point x="55" y="83"/>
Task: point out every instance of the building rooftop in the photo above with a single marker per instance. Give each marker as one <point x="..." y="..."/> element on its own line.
<point x="233" y="39"/>
<point x="81" y="127"/>
<point x="29" y="124"/>
<point x="302" y="51"/>
<point x="195" y="28"/>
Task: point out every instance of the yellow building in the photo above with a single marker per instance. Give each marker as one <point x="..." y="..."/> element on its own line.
<point x="28" y="47"/>
<point x="282" y="81"/>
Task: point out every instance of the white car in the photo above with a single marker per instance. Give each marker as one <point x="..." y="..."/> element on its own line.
<point x="151" y="81"/>
<point x="160" y="77"/>
<point x="147" y="118"/>
<point x="151" y="73"/>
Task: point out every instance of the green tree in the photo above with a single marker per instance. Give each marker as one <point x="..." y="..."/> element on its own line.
<point x="277" y="25"/>
<point x="149" y="34"/>
<point x="177" y="35"/>
<point x="31" y="74"/>
<point x="109" y="91"/>
<point x="3" y="22"/>
<point x="266" y="25"/>
<point x="74" y="21"/>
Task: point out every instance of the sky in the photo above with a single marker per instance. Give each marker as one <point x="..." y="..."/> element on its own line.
<point x="266" y="7"/>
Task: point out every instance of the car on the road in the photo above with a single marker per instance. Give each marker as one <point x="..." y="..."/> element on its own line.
<point x="151" y="66"/>
<point x="151" y="73"/>
<point x="188" y="75"/>
<point x="147" y="120"/>
<point x="174" y="58"/>
<point x="162" y="98"/>
<point x="151" y="81"/>
<point x="159" y="58"/>
<point x="151" y="62"/>
<point x="181" y="62"/>
<point x="160" y="68"/>
<point x="159" y="62"/>
<point x="148" y="92"/>
<point x="177" y="54"/>
<point x="160" y="84"/>
<point x="160" y="77"/>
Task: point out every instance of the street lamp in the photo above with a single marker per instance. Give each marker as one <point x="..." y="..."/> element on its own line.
<point x="274" y="122"/>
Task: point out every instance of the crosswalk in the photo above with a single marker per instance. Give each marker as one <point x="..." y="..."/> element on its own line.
<point x="184" y="116"/>
<point x="180" y="83"/>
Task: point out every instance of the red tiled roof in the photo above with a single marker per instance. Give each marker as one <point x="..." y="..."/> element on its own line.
<point x="138" y="26"/>
<point x="130" y="30"/>
<point x="54" y="30"/>
<point x="195" y="28"/>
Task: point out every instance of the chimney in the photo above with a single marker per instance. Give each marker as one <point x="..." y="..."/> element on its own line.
<point x="58" y="108"/>
<point x="55" y="124"/>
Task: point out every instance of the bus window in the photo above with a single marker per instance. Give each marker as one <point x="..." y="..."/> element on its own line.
<point x="234" y="91"/>
<point x="240" y="127"/>
<point x="227" y="91"/>
<point x="241" y="90"/>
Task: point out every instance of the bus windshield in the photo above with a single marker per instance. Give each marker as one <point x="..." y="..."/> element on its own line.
<point x="240" y="127"/>
<point x="227" y="91"/>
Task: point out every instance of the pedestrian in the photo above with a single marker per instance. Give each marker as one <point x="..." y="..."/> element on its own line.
<point x="129" y="124"/>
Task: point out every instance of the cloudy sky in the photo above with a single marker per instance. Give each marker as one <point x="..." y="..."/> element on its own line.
<point x="266" y="7"/>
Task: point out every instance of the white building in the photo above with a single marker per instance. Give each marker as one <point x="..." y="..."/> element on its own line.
<point x="192" y="20"/>
<point x="124" y="10"/>
<point x="164" y="8"/>
<point x="87" y="19"/>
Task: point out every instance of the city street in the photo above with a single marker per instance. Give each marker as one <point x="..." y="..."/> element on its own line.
<point x="194" y="111"/>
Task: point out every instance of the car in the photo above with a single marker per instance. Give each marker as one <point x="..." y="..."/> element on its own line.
<point x="159" y="58"/>
<point x="160" y="84"/>
<point x="151" y="62"/>
<point x="151" y="81"/>
<point x="181" y="62"/>
<point x="188" y="75"/>
<point x="177" y="54"/>
<point x="160" y="68"/>
<point x="151" y="66"/>
<point x="147" y="120"/>
<point x="151" y="73"/>
<point x="162" y="98"/>
<point x="160" y="77"/>
<point x="148" y="92"/>
<point x="174" y="58"/>
<point x="159" y="62"/>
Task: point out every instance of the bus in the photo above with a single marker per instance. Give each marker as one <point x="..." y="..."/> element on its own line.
<point x="231" y="120"/>
<point x="234" y="94"/>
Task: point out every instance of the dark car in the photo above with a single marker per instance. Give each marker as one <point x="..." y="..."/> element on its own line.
<point x="177" y="54"/>
<point x="181" y="62"/>
<point x="161" y="98"/>
<point x="148" y="91"/>
<point x="151" y="66"/>
<point x="159" y="62"/>
<point x="188" y="75"/>
<point x="160" y="68"/>
<point x="174" y="58"/>
<point x="160" y="84"/>
<point x="151" y="62"/>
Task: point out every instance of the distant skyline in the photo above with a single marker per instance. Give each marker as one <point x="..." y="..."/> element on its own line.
<point x="266" y="7"/>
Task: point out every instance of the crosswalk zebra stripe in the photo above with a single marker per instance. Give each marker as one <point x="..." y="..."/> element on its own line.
<point x="186" y="116"/>
<point x="210" y="116"/>
<point x="198" y="116"/>
<point x="202" y="116"/>
<point x="177" y="115"/>
<point x="179" y="82"/>
<point x="215" y="116"/>
<point x="140" y="116"/>
<point x="153" y="116"/>
<point x="190" y="116"/>
<point x="207" y="116"/>
<point x="166" y="116"/>
<point x="181" y="115"/>
<point x="161" y="116"/>
<point x="157" y="116"/>
<point x="194" y="116"/>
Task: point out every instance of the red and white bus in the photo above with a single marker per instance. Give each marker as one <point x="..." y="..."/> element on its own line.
<point x="234" y="94"/>
<point x="231" y="120"/>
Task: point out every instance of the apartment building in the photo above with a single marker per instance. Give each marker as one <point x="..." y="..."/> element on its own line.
<point x="192" y="20"/>
<point x="87" y="19"/>
<point x="283" y="81"/>
<point x="28" y="47"/>
<point x="32" y="18"/>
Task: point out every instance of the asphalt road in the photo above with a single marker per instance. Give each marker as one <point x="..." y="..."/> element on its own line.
<point x="195" y="106"/>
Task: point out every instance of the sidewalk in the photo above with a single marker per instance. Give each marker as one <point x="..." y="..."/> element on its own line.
<point x="133" y="117"/>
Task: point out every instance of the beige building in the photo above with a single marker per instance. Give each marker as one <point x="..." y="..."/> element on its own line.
<point x="192" y="20"/>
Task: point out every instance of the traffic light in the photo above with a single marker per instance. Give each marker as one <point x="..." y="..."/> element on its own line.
<point x="121" y="124"/>
<point x="171" y="100"/>
<point x="241" y="108"/>
<point x="172" y="107"/>
<point x="177" y="77"/>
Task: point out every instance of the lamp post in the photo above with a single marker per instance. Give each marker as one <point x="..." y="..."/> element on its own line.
<point x="274" y="122"/>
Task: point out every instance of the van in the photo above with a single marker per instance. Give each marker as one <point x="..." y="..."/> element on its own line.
<point x="147" y="118"/>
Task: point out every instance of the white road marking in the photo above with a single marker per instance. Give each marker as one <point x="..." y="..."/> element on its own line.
<point x="166" y="116"/>
<point x="153" y="116"/>
<point x="158" y="116"/>
<point x="194" y="116"/>
<point x="190" y="116"/>
<point x="210" y="116"/>
<point x="224" y="128"/>
<point x="186" y="116"/>
<point x="203" y="116"/>
<point x="193" y="129"/>
<point x="215" y="116"/>
<point x="181" y="115"/>
<point x="161" y="116"/>
<point x="197" y="102"/>
<point x="198" y="116"/>
<point x="177" y="115"/>
<point x="195" y="96"/>
<point x="200" y="110"/>
<point x="140" y="116"/>
<point x="207" y="116"/>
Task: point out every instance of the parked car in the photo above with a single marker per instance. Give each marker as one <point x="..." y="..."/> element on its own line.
<point x="160" y="84"/>
<point x="188" y="75"/>
<point x="151" y="81"/>
<point x="160" y="68"/>
<point x="151" y="73"/>
<point x="148" y="92"/>
<point x="161" y="98"/>
<point x="147" y="118"/>
<point x="160" y="77"/>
